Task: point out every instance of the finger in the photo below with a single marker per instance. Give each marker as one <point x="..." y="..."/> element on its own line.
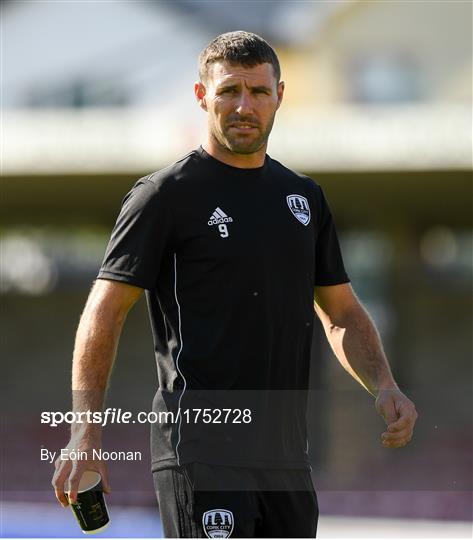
<point x="399" y="424"/>
<point x="74" y="479"/>
<point x="58" y="484"/>
<point x="407" y="420"/>
<point x="407" y="409"/>
<point x="399" y="435"/>
<point x="396" y="441"/>
<point x="61" y="466"/>
<point x="105" y="480"/>
<point x="396" y="444"/>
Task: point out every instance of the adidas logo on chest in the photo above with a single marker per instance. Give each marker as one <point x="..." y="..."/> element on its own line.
<point x="218" y="216"/>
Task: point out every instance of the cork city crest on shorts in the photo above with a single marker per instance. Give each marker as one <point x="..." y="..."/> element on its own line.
<point x="299" y="206"/>
<point x="218" y="523"/>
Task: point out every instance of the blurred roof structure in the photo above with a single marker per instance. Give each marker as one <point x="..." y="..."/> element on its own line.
<point x="370" y="85"/>
<point x="129" y="53"/>
<point x="81" y="54"/>
<point x="283" y="22"/>
<point x="385" y="52"/>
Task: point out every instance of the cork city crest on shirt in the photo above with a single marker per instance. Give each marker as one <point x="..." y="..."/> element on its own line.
<point x="218" y="523"/>
<point x="299" y="206"/>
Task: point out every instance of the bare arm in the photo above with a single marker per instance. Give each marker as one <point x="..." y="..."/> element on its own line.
<point x="97" y="341"/>
<point x="353" y="337"/>
<point x="356" y="343"/>
<point x="94" y="353"/>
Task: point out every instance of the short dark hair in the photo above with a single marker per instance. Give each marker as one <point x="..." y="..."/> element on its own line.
<point x="238" y="48"/>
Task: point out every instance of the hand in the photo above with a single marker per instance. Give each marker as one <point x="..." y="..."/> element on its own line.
<point x="71" y="470"/>
<point x="400" y="415"/>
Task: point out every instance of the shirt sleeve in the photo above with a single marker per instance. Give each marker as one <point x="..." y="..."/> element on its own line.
<point x="329" y="267"/>
<point x="141" y="236"/>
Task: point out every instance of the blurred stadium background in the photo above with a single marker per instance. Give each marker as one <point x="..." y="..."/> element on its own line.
<point x="378" y="110"/>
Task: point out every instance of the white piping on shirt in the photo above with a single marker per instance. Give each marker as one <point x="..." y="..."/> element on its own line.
<point x="177" y="361"/>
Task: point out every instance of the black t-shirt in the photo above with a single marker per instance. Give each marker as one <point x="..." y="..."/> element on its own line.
<point x="229" y="259"/>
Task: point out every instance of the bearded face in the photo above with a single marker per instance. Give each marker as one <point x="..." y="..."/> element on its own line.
<point x="241" y="103"/>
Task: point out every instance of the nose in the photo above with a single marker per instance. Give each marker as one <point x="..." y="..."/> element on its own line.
<point x="244" y="104"/>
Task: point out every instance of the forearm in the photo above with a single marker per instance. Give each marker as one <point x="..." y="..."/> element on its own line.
<point x="94" y="353"/>
<point x="357" y="345"/>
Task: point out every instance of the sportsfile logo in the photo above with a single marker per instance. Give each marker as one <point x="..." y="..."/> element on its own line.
<point x="218" y="216"/>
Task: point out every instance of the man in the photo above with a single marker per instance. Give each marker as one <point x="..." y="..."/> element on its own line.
<point x="231" y="248"/>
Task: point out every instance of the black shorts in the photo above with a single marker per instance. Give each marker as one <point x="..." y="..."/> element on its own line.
<point x="211" y="501"/>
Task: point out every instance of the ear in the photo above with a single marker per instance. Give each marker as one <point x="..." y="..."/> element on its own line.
<point x="280" y="92"/>
<point x="199" y="91"/>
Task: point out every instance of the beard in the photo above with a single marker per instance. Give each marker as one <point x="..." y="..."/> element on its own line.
<point x="242" y="143"/>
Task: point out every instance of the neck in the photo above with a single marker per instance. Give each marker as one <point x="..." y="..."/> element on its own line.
<point x="242" y="161"/>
